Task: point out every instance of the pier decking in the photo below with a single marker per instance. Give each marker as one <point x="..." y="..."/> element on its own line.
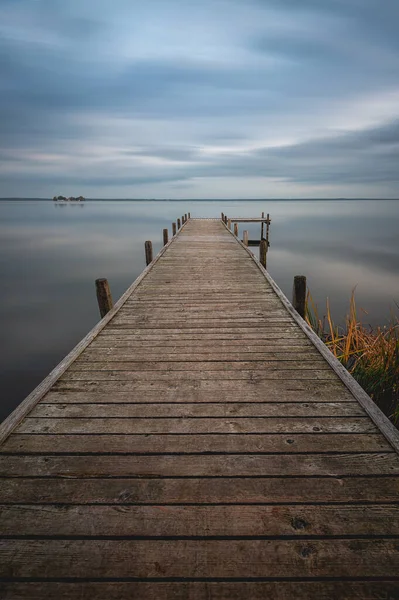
<point x="199" y="444"/>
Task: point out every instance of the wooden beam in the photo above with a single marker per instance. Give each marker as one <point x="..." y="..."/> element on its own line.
<point x="299" y="294"/>
<point x="104" y="297"/>
<point x="148" y="252"/>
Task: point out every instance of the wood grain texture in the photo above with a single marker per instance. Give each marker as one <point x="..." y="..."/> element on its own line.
<point x="193" y="490"/>
<point x="198" y="558"/>
<point x="192" y="443"/>
<point x="258" y="465"/>
<point x="266" y="590"/>
<point x="200" y="521"/>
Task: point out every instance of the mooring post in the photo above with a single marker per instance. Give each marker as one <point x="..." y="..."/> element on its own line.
<point x="104" y="297"/>
<point x="262" y="227"/>
<point x="236" y="229"/>
<point x="173" y="228"/>
<point x="148" y="252"/>
<point x="263" y="253"/>
<point x="267" y="228"/>
<point x="299" y="294"/>
<point x="189" y="215"/>
<point x="222" y="215"/>
<point x="229" y="223"/>
<point x="165" y="237"/>
<point x="245" y="237"/>
<point x="178" y="224"/>
<point x="185" y="218"/>
<point x="182" y="220"/>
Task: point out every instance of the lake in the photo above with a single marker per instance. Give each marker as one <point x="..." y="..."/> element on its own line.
<point x="50" y="255"/>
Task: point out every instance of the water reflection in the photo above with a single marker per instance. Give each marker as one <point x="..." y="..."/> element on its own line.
<point x="49" y="260"/>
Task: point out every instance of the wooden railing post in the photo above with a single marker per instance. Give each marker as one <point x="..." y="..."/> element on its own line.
<point x="263" y="253"/>
<point x="148" y="252"/>
<point x="299" y="294"/>
<point x="236" y="229"/>
<point x="104" y="297"/>
<point x="189" y="215"/>
<point x="225" y="219"/>
<point x="173" y="228"/>
<point x="222" y="216"/>
<point x="262" y="227"/>
<point x="267" y="228"/>
<point x="178" y="224"/>
<point x="245" y="237"/>
<point x="182" y="220"/>
<point x="229" y="223"/>
<point x="185" y="218"/>
<point x="165" y="237"/>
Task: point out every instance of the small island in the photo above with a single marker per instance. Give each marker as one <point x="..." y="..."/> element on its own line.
<point x="70" y="199"/>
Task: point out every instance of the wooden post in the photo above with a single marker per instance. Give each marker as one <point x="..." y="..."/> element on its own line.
<point x="173" y="228"/>
<point x="225" y="219"/>
<point x="299" y="294"/>
<point x="229" y="224"/>
<point x="165" y="237"/>
<point x="182" y="220"/>
<point x="236" y="229"/>
<point x="104" y="297"/>
<point x="262" y="227"/>
<point x="178" y="224"/>
<point x="148" y="252"/>
<point x="263" y="253"/>
<point x="245" y="237"/>
<point x="189" y="215"/>
<point x="222" y="215"/>
<point x="185" y="218"/>
<point x="267" y="229"/>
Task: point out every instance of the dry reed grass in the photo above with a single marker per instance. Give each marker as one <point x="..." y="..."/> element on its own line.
<point x="370" y="354"/>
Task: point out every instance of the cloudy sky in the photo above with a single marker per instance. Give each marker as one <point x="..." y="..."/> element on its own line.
<point x="209" y="99"/>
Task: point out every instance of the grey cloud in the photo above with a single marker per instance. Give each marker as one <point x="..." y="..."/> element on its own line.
<point x="340" y="50"/>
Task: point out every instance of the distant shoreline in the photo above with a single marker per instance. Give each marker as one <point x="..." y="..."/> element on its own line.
<point x="15" y="199"/>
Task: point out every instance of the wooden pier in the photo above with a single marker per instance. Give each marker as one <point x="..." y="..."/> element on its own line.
<point x="200" y="443"/>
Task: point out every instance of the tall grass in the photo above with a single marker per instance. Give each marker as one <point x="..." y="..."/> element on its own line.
<point x="370" y="354"/>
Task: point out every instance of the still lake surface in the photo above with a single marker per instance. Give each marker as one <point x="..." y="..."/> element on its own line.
<point x="50" y="255"/>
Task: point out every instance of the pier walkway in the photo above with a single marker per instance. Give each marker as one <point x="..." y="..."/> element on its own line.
<point x="199" y="444"/>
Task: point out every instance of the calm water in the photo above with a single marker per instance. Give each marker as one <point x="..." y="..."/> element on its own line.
<point x="51" y="254"/>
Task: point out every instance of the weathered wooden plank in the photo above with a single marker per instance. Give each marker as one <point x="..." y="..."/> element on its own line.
<point x="257" y="465"/>
<point x="204" y="443"/>
<point x="147" y="356"/>
<point x="198" y="558"/>
<point x="175" y="375"/>
<point x="193" y="366"/>
<point x="265" y="590"/>
<point x="199" y="521"/>
<point x="172" y="410"/>
<point x="199" y="425"/>
<point x="262" y="332"/>
<point x="220" y="490"/>
<point x="222" y="390"/>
